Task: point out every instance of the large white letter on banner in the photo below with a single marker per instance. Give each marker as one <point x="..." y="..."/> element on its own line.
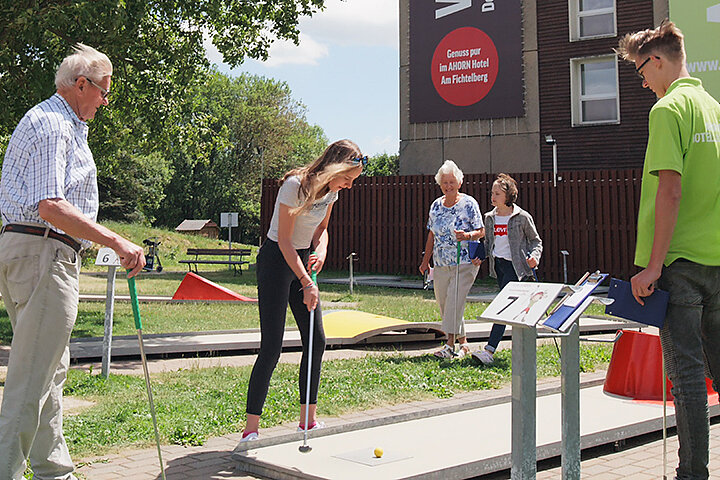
<point x="713" y="13"/>
<point x="457" y="5"/>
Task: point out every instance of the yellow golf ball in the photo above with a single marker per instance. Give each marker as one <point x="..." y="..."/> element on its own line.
<point x="378" y="452"/>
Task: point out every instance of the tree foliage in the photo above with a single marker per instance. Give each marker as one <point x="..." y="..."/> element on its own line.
<point x="155" y="45"/>
<point x="161" y="132"/>
<point x="252" y="128"/>
<point x="382" y="165"/>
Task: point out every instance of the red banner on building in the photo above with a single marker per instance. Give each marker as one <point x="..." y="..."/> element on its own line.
<point x="465" y="60"/>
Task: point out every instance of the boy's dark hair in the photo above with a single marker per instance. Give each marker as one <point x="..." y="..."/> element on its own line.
<point x="665" y="40"/>
<point x="509" y="186"/>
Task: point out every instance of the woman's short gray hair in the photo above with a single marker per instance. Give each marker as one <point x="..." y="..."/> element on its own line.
<point x="85" y="62"/>
<point x="449" y="167"/>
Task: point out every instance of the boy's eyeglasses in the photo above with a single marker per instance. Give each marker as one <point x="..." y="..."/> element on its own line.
<point x="638" y="70"/>
<point x="361" y="160"/>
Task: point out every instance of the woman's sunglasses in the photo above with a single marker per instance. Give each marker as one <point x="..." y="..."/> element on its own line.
<point x="360" y="160"/>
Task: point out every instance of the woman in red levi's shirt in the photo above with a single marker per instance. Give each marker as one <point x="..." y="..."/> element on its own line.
<point x="513" y="245"/>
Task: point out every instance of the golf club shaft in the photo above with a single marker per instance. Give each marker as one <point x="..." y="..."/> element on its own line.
<point x="309" y="373"/>
<point x="664" y="425"/>
<point x="311" y="332"/>
<point x="150" y="400"/>
<point x="457" y="283"/>
<point x="138" y="326"/>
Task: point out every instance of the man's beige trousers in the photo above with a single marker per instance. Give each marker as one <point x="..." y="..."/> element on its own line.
<point x="39" y="286"/>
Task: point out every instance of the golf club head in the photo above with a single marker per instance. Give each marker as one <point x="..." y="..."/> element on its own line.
<point x="305" y="448"/>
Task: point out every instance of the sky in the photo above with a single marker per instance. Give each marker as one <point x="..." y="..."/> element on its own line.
<point x="345" y="71"/>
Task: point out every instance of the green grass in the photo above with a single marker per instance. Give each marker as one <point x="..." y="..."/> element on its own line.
<point x="167" y="283"/>
<point x="165" y="318"/>
<point x="196" y="317"/>
<point x="404" y="304"/>
<point x="173" y="245"/>
<point x="193" y="405"/>
<point x="158" y="317"/>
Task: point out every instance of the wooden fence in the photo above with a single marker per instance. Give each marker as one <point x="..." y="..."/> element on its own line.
<point x="591" y="214"/>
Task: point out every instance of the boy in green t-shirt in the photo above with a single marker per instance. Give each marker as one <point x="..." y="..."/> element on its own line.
<point x="678" y="241"/>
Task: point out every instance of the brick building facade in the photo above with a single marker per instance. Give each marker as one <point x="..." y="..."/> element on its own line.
<point x="575" y="90"/>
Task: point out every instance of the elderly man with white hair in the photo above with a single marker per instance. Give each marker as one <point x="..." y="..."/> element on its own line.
<point x="49" y="205"/>
<point x="453" y="217"/>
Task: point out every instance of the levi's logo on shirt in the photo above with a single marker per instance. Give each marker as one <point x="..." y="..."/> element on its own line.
<point x="500" y="230"/>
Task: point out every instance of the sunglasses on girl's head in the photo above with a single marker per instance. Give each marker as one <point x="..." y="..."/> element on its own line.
<point x="361" y="160"/>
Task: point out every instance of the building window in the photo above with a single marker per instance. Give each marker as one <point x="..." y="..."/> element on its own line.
<point x="594" y="90"/>
<point x="592" y="19"/>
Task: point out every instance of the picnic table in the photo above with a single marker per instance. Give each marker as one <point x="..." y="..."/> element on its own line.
<point x="232" y="257"/>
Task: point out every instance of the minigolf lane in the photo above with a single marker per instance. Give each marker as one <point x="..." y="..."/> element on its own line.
<point x="357" y="325"/>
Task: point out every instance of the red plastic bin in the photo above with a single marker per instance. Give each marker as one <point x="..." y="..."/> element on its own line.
<point x="635" y="369"/>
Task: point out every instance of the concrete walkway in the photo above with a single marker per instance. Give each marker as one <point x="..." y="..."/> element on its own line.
<point x="641" y="458"/>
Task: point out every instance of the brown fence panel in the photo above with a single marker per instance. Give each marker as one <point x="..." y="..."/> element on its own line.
<point x="591" y="214"/>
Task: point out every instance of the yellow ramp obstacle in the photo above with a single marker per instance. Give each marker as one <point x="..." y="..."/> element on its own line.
<point x="353" y="326"/>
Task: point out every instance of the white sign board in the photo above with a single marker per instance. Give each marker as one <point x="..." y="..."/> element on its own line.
<point x="107" y="257"/>
<point x="229" y="219"/>
<point x="522" y="303"/>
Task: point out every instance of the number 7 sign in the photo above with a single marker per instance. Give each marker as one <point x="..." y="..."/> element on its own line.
<point x="522" y="303"/>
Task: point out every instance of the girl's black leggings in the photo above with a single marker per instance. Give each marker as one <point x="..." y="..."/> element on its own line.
<point x="278" y="286"/>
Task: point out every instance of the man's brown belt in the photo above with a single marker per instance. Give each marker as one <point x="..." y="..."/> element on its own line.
<point x="43" y="232"/>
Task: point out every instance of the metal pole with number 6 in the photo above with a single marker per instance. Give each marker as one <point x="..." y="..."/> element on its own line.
<point x="107" y="257"/>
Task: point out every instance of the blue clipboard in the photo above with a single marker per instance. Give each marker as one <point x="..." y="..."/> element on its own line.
<point x="558" y="320"/>
<point x="476" y="250"/>
<point x="625" y="306"/>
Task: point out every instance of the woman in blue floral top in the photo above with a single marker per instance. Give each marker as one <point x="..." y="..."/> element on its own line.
<point x="454" y="217"/>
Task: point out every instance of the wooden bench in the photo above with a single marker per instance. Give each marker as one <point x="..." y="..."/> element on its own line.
<point x="228" y="253"/>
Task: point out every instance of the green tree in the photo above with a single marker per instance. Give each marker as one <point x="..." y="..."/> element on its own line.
<point x="251" y="126"/>
<point x="4" y="139"/>
<point x="382" y="165"/>
<point x="156" y="47"/>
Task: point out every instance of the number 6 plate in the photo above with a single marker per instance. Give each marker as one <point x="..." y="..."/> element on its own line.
<point x="107" y="257"/>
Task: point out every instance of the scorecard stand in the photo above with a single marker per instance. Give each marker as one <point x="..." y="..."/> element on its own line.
<point x="523" y="306"/>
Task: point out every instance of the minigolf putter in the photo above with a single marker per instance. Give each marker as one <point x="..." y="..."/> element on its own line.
<point x="305" y="448"/>
<point x="138" y="327"/>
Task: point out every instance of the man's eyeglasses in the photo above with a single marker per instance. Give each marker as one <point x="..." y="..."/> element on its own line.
<point x="361" y="160"/>
<point x="639" y="69"/>
<point x="104" y="92"/>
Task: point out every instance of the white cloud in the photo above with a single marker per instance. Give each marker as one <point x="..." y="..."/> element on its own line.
<point x="387" y="144"/>
<point x="281" y="52"/>
<point x="355" y="22"/>
<point x="287" y="53"/>
<point x="211" y="52"/>
<point x="347" y="23"/>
